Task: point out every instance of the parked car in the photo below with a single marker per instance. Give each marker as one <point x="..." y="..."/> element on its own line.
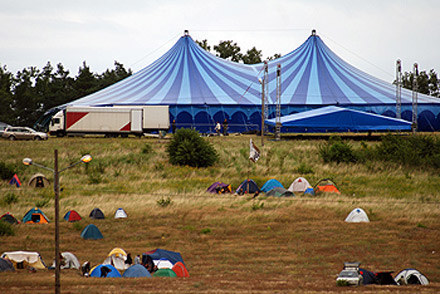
<point x="350" y="274"/>
<point x="23" y="133"/>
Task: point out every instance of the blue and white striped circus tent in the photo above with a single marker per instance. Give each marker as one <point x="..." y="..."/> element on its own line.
<point x="202" y="89"/>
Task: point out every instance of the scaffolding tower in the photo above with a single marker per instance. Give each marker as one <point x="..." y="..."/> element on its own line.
<point x="398" y="89"/>
<point x="414" y="97"/>
<point x="278" y="106"/>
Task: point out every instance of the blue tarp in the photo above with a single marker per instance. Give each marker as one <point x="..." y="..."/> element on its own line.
<point x="270" y="184"/>
<point x="338" y="119"/>
<point x="201" y="88"/>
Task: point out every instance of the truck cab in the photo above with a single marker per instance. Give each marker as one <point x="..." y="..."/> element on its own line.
<point x="56" y="126"/>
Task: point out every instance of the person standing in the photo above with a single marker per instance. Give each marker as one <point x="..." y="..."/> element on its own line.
<point x="218" y="128"/>
<point x="225" y="127"/>
<point x="173" y="126"/>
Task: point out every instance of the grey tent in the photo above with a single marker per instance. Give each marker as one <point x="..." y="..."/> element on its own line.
<point x="411" y="276"/>
<point x="6" y="265"/>
<point x="39" y="181"/>
<point x="279" y="192"/>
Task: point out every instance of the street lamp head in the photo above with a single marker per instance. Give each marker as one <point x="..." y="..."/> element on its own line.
<point x="27" y="161"/>
<point x="86" y="158"/>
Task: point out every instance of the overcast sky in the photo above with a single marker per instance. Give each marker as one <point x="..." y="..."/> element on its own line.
<point x="370" y="34"/>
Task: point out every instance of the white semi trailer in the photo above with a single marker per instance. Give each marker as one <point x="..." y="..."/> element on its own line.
<point x="110" y="121"/>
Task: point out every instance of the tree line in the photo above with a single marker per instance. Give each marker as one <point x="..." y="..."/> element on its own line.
<point x="28" y="94"/>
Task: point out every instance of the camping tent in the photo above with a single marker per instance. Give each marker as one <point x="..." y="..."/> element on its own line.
<point x="163" y="263"/>
<point x="270" y="184"/>
<point x="165" y="272"/>
<point x="72" y="216"/>
<point x="39" y="181"/>
<point x="120" y="213"/>
<point x="357" y="215"/>
<point x="15" y="181"/>
<point x="300" y="184"/>
<point x="7" y="217"/>
<point x="6" y="265"/>
<point x="279" y="192"/>
<point x="338" y="119"/>
<point x="96" y="213"/>
<point x="23" y="259"/>
<point x="117" y="258"/>
<point x="109" y="271"/>
<point x="70" y="261"/>
<point x="309" y="191"/>
<point x="327" y="186"/>
<point x="368" y="277"/>
<point x="136" y="271"/>
<point x="158" y="253"/>
<point x="246" y="187"/>
<point x="201" y="88"/>
<point x="411" y="276"/>
<point x="91" y="232"/>
<point x="180" y="270"/>
<point x="35" y="216"/>
<point x="219" y="188"/>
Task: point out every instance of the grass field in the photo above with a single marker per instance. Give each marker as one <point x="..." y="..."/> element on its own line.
<point x="230" y="244"/>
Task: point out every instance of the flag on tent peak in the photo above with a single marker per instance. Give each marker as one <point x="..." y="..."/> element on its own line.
<point x="254" y="153"/>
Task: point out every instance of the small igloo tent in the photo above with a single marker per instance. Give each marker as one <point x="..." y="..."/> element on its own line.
<point x="357" y="215"/>
<point x="39" y="181"/>
<point x="120" y="213"/>
<point x="411" y="276"/>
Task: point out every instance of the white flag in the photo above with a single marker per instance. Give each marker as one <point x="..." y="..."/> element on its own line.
<point x="254" y="153"/>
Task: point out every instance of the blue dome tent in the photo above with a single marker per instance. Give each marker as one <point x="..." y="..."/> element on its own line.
<point x="202" y="89"/>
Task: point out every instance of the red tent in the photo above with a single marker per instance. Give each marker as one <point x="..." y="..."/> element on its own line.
<point x="72" y="216"/>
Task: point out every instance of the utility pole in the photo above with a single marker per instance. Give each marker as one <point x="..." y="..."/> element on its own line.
<point x="57" y="223"/>
<point x="264" y="100"/>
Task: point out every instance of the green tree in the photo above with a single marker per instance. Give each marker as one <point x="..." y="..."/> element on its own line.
<point x="204" y="45"/>
<point x="228" y="50"/>
<point x="275" y="56"/>
<point x="6" y="98"/>
<point x="427" y="83"/>
<point x="252" y="56"/>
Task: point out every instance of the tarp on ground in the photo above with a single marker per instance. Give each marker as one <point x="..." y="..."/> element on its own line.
<point x="270" y="184"/>
<point x="338" y="119"/>
<point x="136" y="271"/>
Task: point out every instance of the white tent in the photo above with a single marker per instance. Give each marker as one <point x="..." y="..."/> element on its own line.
<point x="117" y="258"/>
<point x="25" y="258"/>
<point x="120" y="213"/>
<point x="357" y="215"/>
<point x="70" y="261"/>
<point x="411" y="276"/>
<point x="299" y="185"/>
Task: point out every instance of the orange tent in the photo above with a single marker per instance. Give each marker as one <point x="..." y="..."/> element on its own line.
<point x="326" y="186"/>
<point x="180" y="270"/>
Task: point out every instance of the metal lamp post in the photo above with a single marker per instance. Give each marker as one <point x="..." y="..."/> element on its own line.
<point x="56" y="186"/>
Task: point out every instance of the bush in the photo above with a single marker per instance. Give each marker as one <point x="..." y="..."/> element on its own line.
<point x="147" y="149"/>
<point x="188" y="148"/>
<point x="9" y="198"/>
<point x="164" y="202"/>
<point x="6" y="229"/>
<point x="336" y="150"/>
<point x="6" y="171"/>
